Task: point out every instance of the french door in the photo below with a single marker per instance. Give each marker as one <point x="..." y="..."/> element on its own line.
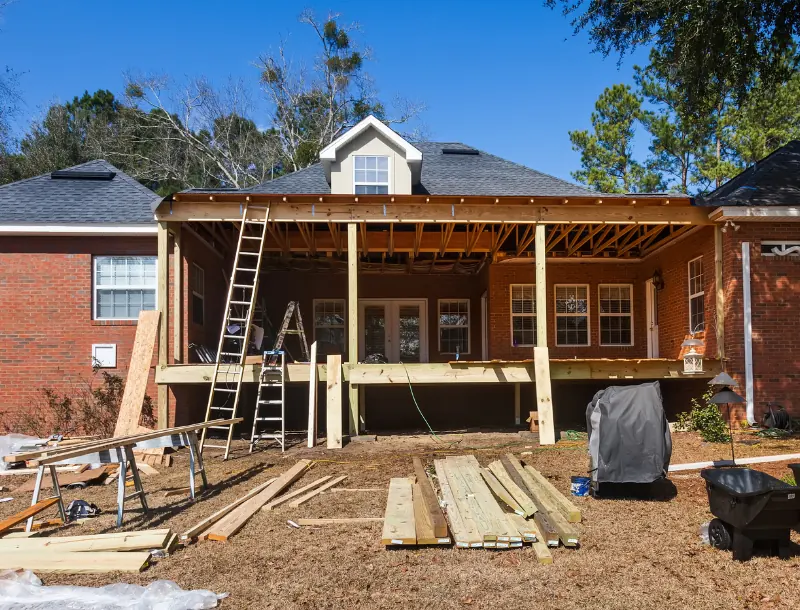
<point x="393" y="328"/>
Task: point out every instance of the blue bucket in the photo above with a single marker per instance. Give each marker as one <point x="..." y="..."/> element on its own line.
<point x="580" y="486"/>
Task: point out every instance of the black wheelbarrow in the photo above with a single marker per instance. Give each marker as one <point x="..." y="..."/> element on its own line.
<point x="750" y="507"/>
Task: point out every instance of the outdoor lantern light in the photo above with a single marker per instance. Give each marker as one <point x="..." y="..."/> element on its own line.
<point x="692" y="361"/>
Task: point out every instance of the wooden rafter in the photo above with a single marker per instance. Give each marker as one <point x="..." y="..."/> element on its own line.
<point x="364" y="241"/>
<point x="476" y="233"/>
<point x="635" y="242"/>
<point x="614" y="238"/>
<point x="391" y="240"/>
<point x="307" y="233"/>
<point x="591" y="231"/>
<point x="282" y="240"/>
<point x="502" y="235"/>
<point x="673" y="236"/>
<point x="447" y="233"/>
<point x="633" y="235"/>
<point x="556" y="236"/>
<point x="648" y="242"/>
<point x="527" y="238"/>
<point x="418" y="237"/>
<point x="336" y="235"/>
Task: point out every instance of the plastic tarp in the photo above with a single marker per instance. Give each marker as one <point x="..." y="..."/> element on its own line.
<point x="24" y="591"/>
<point x="11" y="443"/>
<point x="629" y="439"/>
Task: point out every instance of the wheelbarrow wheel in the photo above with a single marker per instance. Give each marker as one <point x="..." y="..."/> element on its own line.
<point x="720" y="535"/>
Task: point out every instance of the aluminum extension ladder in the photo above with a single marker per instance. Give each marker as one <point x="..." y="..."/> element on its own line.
<point x="226" y="382"/>
<point x="271" y="400"/>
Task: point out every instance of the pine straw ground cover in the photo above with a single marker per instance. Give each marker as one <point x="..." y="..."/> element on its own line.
<point x="633" y="554"/>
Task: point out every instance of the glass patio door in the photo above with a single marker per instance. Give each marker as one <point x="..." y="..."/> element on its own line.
<point x="394" y="329"/>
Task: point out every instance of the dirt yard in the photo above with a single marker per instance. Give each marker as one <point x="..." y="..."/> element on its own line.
<point x="633" y="554"/>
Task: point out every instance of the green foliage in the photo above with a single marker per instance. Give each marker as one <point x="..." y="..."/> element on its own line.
<point x="607" y="153"/>
<point x="789" y="480"/>
<point x="705" y="418"/>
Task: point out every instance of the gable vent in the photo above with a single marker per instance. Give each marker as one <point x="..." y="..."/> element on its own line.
<point x="459" y="151"/>
<point x="73" y="174"/>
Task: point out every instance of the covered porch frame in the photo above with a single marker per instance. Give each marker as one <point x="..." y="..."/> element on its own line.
<point x="362" y="231"/>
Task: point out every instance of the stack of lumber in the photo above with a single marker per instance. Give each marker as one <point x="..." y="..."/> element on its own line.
<point x="91" y="554"/>
<point x="502" y="506"/>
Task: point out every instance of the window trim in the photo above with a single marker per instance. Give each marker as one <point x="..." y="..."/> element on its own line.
<point x="694" y="295"/>
<point x="202" y="297"/>
<point x="388" y="170"/>
<point x="440" y="326"/>
<point x="95" y="287"/>
<point x="601" y="315"/>
<point x="521" y="315"/>
<point x="588" y="315"/>
<point x="344" y="325"/>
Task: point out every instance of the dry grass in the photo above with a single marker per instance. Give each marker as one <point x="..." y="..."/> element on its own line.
<point x="633" y="554"/>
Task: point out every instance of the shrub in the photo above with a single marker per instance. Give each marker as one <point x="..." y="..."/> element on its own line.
<point x="705" y="418"/>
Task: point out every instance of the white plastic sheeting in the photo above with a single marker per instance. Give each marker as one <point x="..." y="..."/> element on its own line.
<point x="11" y="443"/>
<point x="24" y="591"/>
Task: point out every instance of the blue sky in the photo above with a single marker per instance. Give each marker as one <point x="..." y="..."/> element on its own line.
<point x="506" y="77"/>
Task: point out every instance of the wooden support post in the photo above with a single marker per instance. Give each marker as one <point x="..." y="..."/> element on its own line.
<point x="362" y="409"/>
<point x="312" y="397"/>
<point x="748" y="332"/>
<point x="177" y="295"/>
<point x="517" y="391"/>
<point x="163" y="306"/>
<point x="334" y="402"/>
<point x="720" y="292"/>
<point x="541" y="356"/>
<point x="352" y="318"/>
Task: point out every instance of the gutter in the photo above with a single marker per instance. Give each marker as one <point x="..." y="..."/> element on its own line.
<point x="79" y="230"/>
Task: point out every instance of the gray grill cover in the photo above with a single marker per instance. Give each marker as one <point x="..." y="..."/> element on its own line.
<point x="629" y="439"/>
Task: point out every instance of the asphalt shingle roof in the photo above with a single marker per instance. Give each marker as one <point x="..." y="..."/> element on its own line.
<point x="775" y="180"/>
<point x="45" y="200"/>
<point x="446" y="174"/>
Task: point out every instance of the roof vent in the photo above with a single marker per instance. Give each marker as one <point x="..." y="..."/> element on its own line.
<point x="76" y="174"/>
<point x="459" y="151"/>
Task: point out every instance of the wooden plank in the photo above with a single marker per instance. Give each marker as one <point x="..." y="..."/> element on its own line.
<point x="293" y="494"/>
<point x="337" y="489"/>
<point x="57" y="562"/>
<point x="319" y="490"/>
<point x="197" y="529"/>
<point x="485" y="498"/>
<point x="352" y="320"/>
<point x="519" y="494"/>
<point x="465" y="534"/>
<point x="549" y="534"/>
<point x="21" y="516"/>
<point x="719" y="290"/>
<point x="138" y="372"/>
<point x="146" y="469"/>
<point x="423" y="524"/>
<point x="530" y="533"/>
<point x="500" y="492"/>
<point x="121" y="541"/>
<point x="467" y="505"/>
<point x="231" y="523"/>
<point x="570" y="512"/>
<point x="18" y="531"/>
<point x="333" y="409"/>
<point x="544" y="395"/>
<point x="541" y="287"/>
<point x="342" y="521"/>
<point x="484" y="507"/>
<point x="162" y="285"/>
<point x="398" y="524"/>
<point x="312" y="397"/>
<point x="177" y="294"/>
<point x="430" y="499"/>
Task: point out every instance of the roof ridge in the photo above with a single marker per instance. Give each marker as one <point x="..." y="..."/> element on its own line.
<point x="297" y="171"/>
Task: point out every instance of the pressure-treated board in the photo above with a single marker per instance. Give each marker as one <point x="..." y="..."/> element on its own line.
<point x="464" y="532"/>
<point x="398" y="522"/>
<point x="522" y="498"/>
<point x="341" y="521"/>
<point x="468" y="504"/>
<point x="570" y="512"/>
<point x="231" y="523"/>
<point x="544" y="395"/>
<point x="530" y="533"/>
<point x="549" y="534"/>
<point x="500" y="492"/>
<point x="63" y="562"/>
<point x="431" y="501"/>
<point x="470" y="468"/>
<point x="333" y="410"/>
<point x="293" y="494"/>
<point x="138" y="371"/>
<point x="312" y="397"/>
<point x="119" y="541"/>
<point x="423" y="524"/>
<point x="319" y="490"/>
<point x="21" y="516"/>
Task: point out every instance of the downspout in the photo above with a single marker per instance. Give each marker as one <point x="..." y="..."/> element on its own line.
<point x="748" y="333"/>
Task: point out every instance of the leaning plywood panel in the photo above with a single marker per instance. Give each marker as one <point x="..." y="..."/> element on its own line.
<point x="398" y="523"/>
<point x="74" y="563"/>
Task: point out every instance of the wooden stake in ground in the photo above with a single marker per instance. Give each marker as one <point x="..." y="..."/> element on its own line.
<point x="398" y="524"/>
<point x="431" y="502"/>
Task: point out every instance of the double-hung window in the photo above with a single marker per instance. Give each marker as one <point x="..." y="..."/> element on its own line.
<point x="123" y="286"/>
<point x="371" y="175"/>
<point x="329" y="325"/>
<point x="616" y="314"/>
<point x="697" y="315"/>
<point x="572" y="315"/>
<point x="198" y="282"/>
<point x="454" y="326"/>
<point x="523" y="315"/>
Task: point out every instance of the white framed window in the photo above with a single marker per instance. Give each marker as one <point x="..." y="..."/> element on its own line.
<point x="697" y="301"/>
<point x="370" y="175"/>
<point x="198" y="285"/>
<point x="572" y="314"/>
<point x="616" y="314"/>
<point x="453" y="326"/>
<point x="523" y="315"/>
<point x="123" y="286"/>
<point x="330" y="317"/>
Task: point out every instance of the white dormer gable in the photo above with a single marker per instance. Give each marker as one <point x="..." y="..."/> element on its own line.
<point x="371" y="158"/>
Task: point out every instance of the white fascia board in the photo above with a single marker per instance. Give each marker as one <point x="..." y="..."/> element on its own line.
<point x="78" y="230"/>
<point x="329" y="152"/>
<point x="764" y="213"/>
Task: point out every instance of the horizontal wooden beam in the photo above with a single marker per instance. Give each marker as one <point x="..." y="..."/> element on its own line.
<point x="439" y="213"/>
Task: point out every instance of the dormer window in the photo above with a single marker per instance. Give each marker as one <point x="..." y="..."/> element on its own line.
<point x="371" y="175"/>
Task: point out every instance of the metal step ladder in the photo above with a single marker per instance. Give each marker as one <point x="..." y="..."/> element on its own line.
<point x="292" y="309"/>
<point x="271" y="400"/>
<point x="226" y="382"/>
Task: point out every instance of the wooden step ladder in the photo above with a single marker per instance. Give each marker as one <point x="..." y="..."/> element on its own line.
<point x="270" y="411"/>
<point x="226" y="382"/>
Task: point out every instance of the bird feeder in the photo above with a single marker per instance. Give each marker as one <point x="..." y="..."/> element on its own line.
<point x="692" y="360"/>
